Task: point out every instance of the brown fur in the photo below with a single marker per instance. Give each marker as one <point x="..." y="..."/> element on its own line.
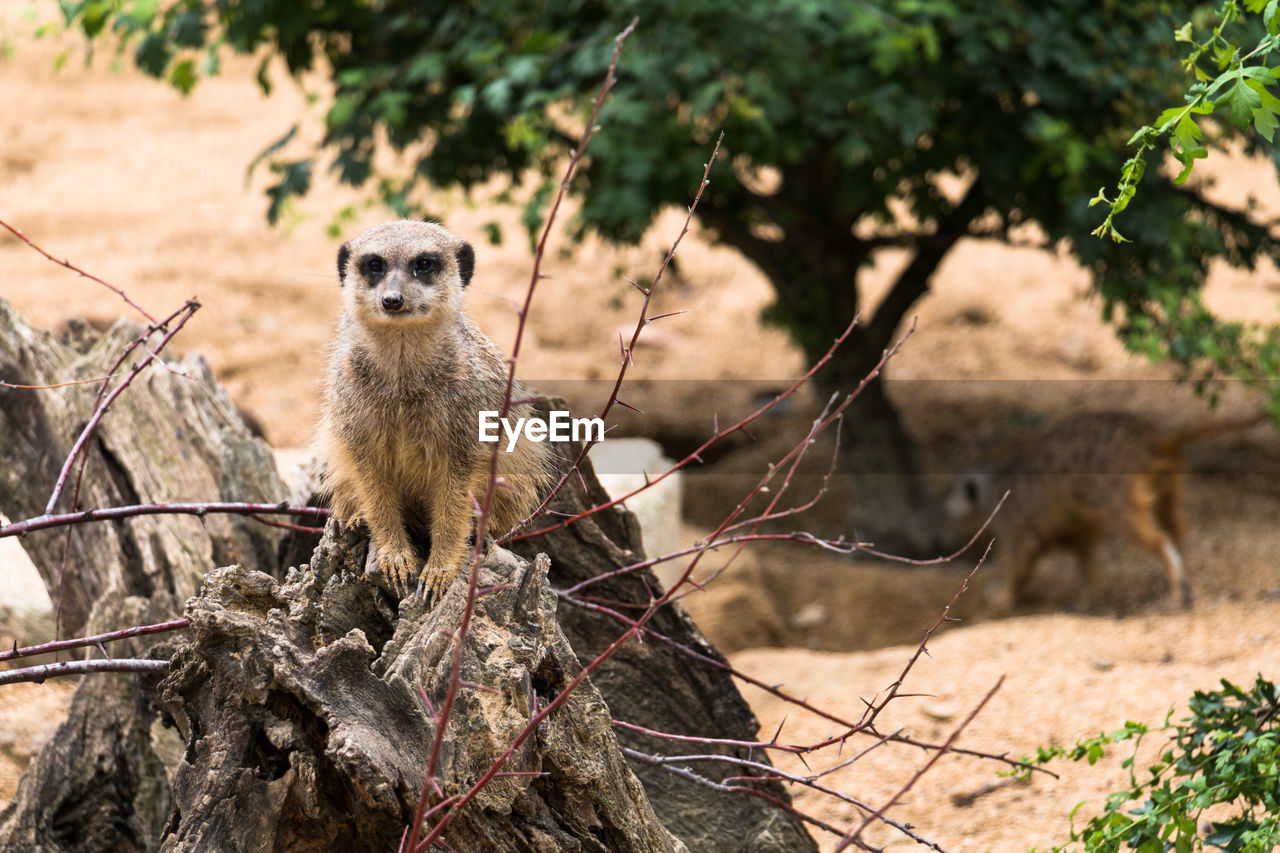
<point x="398" y="439"/>
<point x="1088" y="475"/>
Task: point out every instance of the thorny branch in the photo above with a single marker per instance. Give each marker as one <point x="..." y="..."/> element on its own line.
<point x="17" y="232"/>
<point x="855" y="836"/>
<point x="801" y="703"/>
<point x="667" y="762"/>
<point x="696" y="454"/>
<point x="178" y="319"/>
<point x="79" y="667"/>
<point x="114" y="513"/>
<point x="95" y="640"/>
<point x="628" y="350"/>
<point x="482" y="518"/>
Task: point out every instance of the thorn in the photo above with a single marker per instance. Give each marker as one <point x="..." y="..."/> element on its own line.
<point x="430" y="708"/>
<point x="473" y="686"/>
<point x="668" y="314"/>
<point x="621" y="402"/>
<point x="779" y="731"/>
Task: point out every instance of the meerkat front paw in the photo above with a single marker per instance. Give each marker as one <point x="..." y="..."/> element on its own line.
<point x="400" y="568"/>
<point x="436" y="578"/>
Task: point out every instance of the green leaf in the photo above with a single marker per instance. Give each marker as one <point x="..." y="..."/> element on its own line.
<point x="94" y="16"/>
<point x="295" y="179"/>
<point x="1241" y="101"/>
<point x="340" y="113"/>
<point x="183" y="76"/>
<point x="1265" y="115"/>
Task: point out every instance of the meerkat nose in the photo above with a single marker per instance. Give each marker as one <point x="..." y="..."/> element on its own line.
<point x="392" y="301"/>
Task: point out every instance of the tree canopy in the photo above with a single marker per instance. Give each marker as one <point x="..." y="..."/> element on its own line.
<point x="849" y="128"/>
<point x="830" y="110"/>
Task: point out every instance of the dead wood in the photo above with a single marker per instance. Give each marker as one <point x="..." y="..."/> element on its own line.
<point x="297" y="702"/>
<point x="306" y="730"/>
<point x="100" y="784"/>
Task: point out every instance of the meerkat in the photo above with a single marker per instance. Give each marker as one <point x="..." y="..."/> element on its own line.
<point x="398" y="444"/>
<point x="1087" y="476"/>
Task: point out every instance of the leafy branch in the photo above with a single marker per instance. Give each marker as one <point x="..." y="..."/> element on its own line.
<point x="1240" y="84"/>
<point x="1226" y="754"/>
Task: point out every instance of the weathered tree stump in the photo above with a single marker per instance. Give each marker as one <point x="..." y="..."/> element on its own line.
<point x="303" y="734"/>
<point x="296" y="695"/>
<point x="100" y="784"/>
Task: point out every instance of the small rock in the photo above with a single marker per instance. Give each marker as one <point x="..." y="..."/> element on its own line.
<point x="811" y="615"/>
<point x="939" y="711"/>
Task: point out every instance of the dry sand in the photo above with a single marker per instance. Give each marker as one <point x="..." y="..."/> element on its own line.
<point x="147" y="189"/>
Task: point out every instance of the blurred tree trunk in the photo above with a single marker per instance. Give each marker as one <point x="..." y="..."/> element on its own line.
<point x="813" y="265"/>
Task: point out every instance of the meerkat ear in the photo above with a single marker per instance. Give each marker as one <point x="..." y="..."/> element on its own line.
<point x="466" y="263"/>
<point x="344" y="254"/>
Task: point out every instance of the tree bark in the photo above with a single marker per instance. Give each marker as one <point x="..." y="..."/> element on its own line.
<point x="100" y="783"/>
<point x="305" y="730"/>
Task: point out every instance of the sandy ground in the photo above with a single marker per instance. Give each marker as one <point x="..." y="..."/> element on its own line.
<point x="147" y="190"/>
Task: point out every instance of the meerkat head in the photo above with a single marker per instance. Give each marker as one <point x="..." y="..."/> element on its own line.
<point x="969" y="495"/>
<point x="404" y="272"/>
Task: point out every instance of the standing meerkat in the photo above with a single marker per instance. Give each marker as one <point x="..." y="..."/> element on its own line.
<point x="1088" y="475"/>
<point x="398" y="441"/>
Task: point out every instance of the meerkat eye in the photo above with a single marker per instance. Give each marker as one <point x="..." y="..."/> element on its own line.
<point x="425" y="264"/>
<point x="374" y="265"/>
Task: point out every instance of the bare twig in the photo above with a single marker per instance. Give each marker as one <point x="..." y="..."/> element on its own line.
<point x="114" y="513"/>
<point x="178" y="319"/>
<point x="95" y="640"/>
<point x="667" y="762"/>
<point x="852" y="728"/>
<point x="854" y="836"/>
<point x="482" y="518"/>
<point x="873" y="709"/>
<point x="629" y="348"/>
<point x="39" y="673"/>
<point x="57" y="385"/>
<point x="17" y="232"/>
<point x="696" y="454"/>
<point x="709" y="741"/>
